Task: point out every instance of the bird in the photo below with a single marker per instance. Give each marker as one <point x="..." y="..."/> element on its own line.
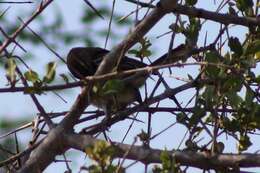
<point x="84" y="61"/>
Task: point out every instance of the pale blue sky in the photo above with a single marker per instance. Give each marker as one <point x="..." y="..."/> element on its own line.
<point x="72" y="10"/>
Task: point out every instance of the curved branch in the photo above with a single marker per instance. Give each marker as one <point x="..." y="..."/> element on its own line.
<point x="216" y="17"/>
<point x="201" y="13"/>
<point x="203" y="160"/>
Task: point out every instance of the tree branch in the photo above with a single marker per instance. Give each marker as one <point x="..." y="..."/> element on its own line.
<point x="201" y="13"/>
<point x="216" y="17"/>
<point x="124" y="114"/>
<point x="203" y="160"/>
<point x="41" y="8"/>
<point x="39" y="160"/>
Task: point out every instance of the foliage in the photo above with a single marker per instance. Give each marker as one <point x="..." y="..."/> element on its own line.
<point x="168" y="164"/>
<point x="102" y="153"/>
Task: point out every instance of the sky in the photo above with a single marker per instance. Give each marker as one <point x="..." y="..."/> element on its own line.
<point x="71" y="11"/>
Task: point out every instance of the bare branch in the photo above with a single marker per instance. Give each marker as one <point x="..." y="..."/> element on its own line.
<point x="42" y="6"/>
<point x="16" y="2"/>
<point x="203" y="160"/>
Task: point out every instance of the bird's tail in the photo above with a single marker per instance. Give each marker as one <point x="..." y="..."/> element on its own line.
<point x="175" y="55"/>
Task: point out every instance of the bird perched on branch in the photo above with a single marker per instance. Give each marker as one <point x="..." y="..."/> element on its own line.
<point x="113" y="95"/>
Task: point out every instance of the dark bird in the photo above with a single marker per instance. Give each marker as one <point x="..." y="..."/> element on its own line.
<point x="84" y="61"/>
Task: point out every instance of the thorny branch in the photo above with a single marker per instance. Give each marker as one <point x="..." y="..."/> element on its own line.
<point x="203" y="160"/>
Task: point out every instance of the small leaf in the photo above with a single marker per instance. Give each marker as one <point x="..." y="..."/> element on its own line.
<point x="36" y="89"/>
<point x="233" y="84"/>
<point x="249" y="97"/>
<point x="192" y="31"/>
<point x="210" y="97"/>
<point x="191" y="2"/>
<point x="253" y="48"/>
<point x="257" y="79"/>
<point x="50" y="74"/>
<point x="212" y="71"/>
<point x="257" y="56"/>
<point x="10" y="71"/>
<point x="234" y="99"/>
<point x="32" y="90"/>
<point x="244" y="5"/>
<point x="166" y="159"/>
<point x="198" y="114"/>
<point x="65" y="78"/>
<point x="143" y="50"/>
<point x="112" y="86"/>
<point x="147" y="53"/>
<point x="134" y="52"/>
<point x="244" y="143"/>
<point x="31" y="76"/>
<point x="181" y="118"/>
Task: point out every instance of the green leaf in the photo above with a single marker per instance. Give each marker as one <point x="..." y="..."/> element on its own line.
<point x="166" y="160"/>
<point x="253" y="48"/>
<point x="257" y="79"/>
<point x="212" y="71"/>
<point x="210" y="96"/>
<point x="102" y="152"/>
<point x="235" y="46"/>
<point x="231" y="125"/>
<point x="249" y="97"/>
<point x="181" y="118"/>
<point x="156" y="169"/>
<point x="232" y="83"/>
<point x="192" y="31"/>
<point x="10" y="71"/>
<point x="191" y="2"/>
<point x="134" y="52"/>
<point x="51" y="71"/>
<point x="143" y="50"/>
<point x="169" y="163"/>
<point x="32" y="90"/>
<point x="31" y="76"/>
<point x="65" y="78"/>
<point x="244" y="5"/>
<point x="234" y="99"/>
<point x="147" y="53"/>
<point x="244" y="143"/>
<point x="113" y="86"/>
<point x="198" y="114"/>
<point x="36" y="89"/>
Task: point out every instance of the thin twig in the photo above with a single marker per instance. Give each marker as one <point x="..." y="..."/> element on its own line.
<point x="38" y="11"/>
<point x="43" y="41"/>
<point x="110" y="22"/>
<point x="16" y="2"/>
